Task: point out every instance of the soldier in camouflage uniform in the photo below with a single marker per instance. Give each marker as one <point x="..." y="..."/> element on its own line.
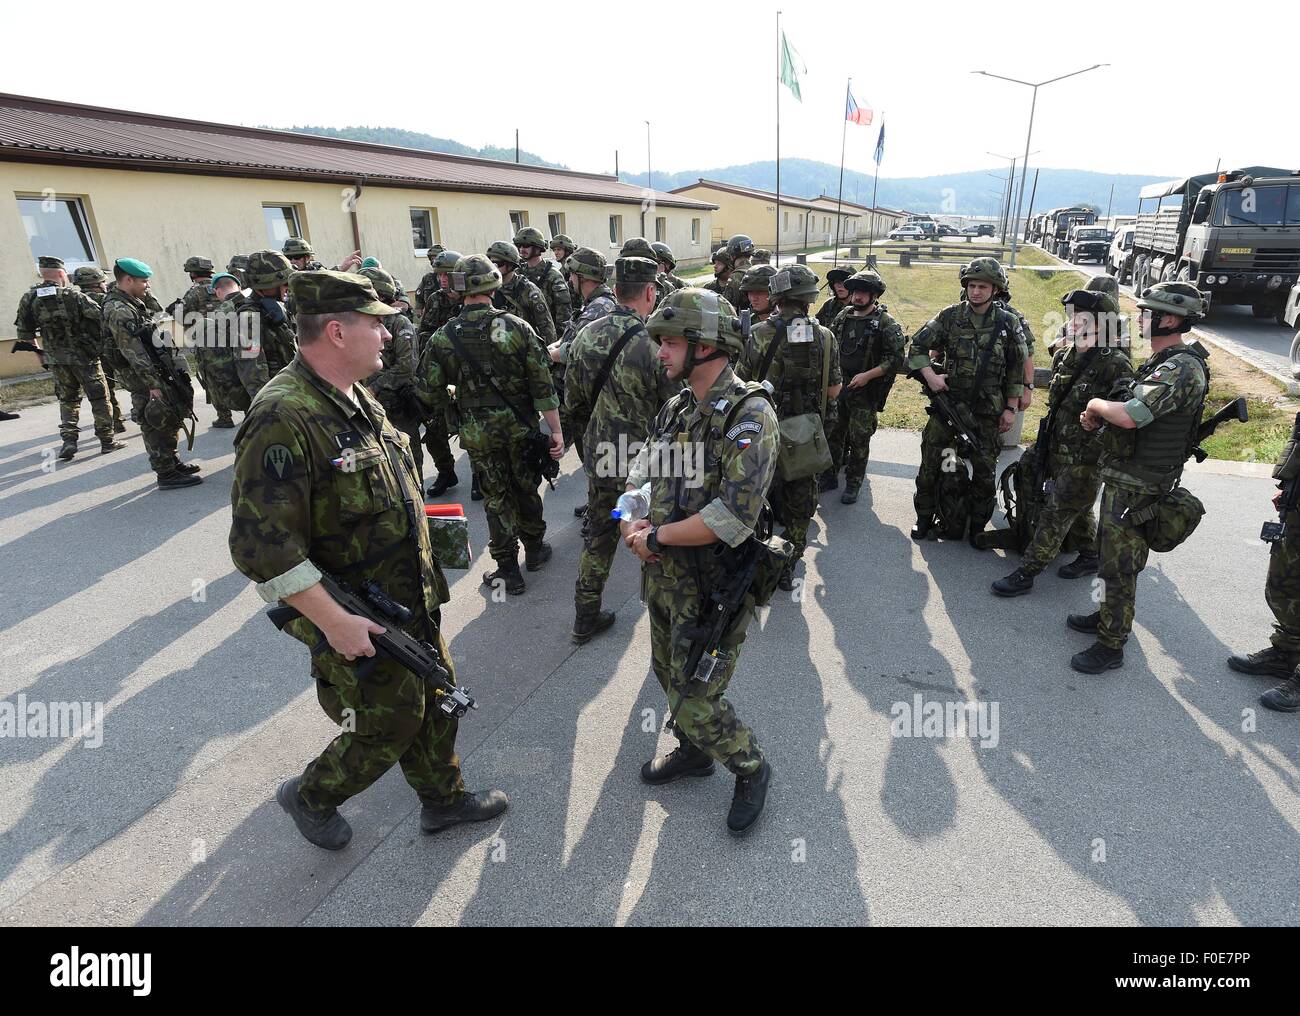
<point x="613" y="420"/>
<point x="736" y="429"/>
<point x="872" y="351"/>
<point x="1027" y="336"/>
<point x="723" y="267"/>
<point x="639" y="247"/>
<point x="196" y="308"/>
<point x="131" y="317"/>
<point x="762" y="256"/>
<point x="256" y="332"/>
<point x="428" y="283"/>
<point x="301" y="255"/>
<point x="490" y="431"/>
<point x="1097" y="284"/>
<point x="1092" y="367"/>
<point x="70" y="327"/>
<point x="92" y="281"/>
<point x="667" y="265"/>
<point x="983" y="353"/>
<point x="300" y="509"/>
<point x="548" y="276"/>
<point x="758" y="297"/>
<point x="789" y="350"/>
<point x="562" y="249"/>
<point x="394" y="383"/>
<point x="442" y="306"/>
<point x="237" y="266"/>
<point x="839" y="301"/>
<point x="518" y="295"/>
<point x="1149" y="437"/>
<point x="741" y="249"/>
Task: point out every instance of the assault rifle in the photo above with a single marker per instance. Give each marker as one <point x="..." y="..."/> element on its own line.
<point x="1234" y="410"/>
<point x="955" y="417"/>
<point x="1287" y="474"/>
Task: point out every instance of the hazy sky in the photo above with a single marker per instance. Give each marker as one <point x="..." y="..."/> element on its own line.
<point x="704" y="74"/>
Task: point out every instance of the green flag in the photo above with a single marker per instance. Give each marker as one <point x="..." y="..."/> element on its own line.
<point x="792" y="66"/>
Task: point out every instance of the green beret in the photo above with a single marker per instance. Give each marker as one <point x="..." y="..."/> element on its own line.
<point x="49" y="261"/>
<point x="133" y="267"/>
<point x="371" y="262"/>
<point x="326" y="292"/>
<point x="212" y="282"/>
<point x="635" y="271"/>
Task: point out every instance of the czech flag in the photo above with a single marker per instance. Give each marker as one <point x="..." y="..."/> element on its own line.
<point x="856" y="114"/>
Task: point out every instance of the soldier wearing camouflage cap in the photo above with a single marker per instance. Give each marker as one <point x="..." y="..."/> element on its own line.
<point x="1092" y="362"/>
<point x="483" y="338"/>
<point x="1148" y="438"/>
<point x="617" y="352"/>
<point x="299" y="511"/>
<point x="839" y="299"/>
<point x="792" y="352"/>
<point x="70" y="327"/>
<point x="667" y="265"/>
<point x="873" y="350"/>
<point x="723" y="267"/>
<point x="255" y="333"/>
<point x="547" y="275"/>
<point x="686" y="543"/>
<point x="639" y="247"/>
<point x="517" y="294"/>
<point x="982" y="354"/>
<point x="92" y="281"/>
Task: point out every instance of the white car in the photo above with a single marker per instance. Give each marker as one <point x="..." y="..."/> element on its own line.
<point x="907" y="233"/>
<point x="1119" y="262"/>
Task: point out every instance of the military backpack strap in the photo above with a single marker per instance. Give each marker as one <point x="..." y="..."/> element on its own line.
<point x="477" y="368"/>
<point x="826" y="368"/>
<point x="1000" y="318"/>
<point x="770" y="355"/>
<point x="608" y="366"/>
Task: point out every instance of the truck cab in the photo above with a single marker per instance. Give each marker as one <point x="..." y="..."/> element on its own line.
<point x="1088" y="243"/>
<point x="1119" y="259"/>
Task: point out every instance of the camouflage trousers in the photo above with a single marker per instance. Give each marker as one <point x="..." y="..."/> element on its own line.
<point x="215" y="397"/>
<point x="159" y="427"/>
<point x="794" y="503"/>
<point x="851" y="439"/>
<point x="437" y="440"/>
<point x="1282" y="588"/>
<point x="704" y="717"/>
<point x="71" y="380"/>
<point x="510" y="499"/>
<point x="389" y="718"/>
<point x="1067" y="518"/>
<point x="600" y="540"/>
<point x="110" y="381"/>
<point x="1123" y="552"/>
<point x="938" y="454"/>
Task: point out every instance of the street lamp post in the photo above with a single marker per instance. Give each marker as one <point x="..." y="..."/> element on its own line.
<point x="1011" y="185"/>
<point x="1024" y="166"/>
<point x="649" y="172"/>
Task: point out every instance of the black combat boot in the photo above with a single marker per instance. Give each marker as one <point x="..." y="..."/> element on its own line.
<point x="1017" y="583"/>
<point x="535" y="557"/>
<point x="1097" y="658"/>
<point x="1285" y="698"/>
<point x="171" y="480"/>
<point x="850" y="495"/>
<point x="508" y="572"/>
<point x="1084" y="564"/>
<point x="471" y="806"/>
<point x="684" y="760"/>
<point x="924" y="529"/>
<point x="475" y="492"/>
<point x="444" y="481"/>
<point x="1270" y="662"/>
<point x="109" y="446"/>
<point x="748" y="800"/>
<point x="226" y="422"/>
<point x="977" y="534"/>
<point x="786" y="581"/>
<point x="589" y="623"/>
<point x="326" y="828"/>
<point x="9" y="416"/>
<point x="188" y="468"/>
<point x="580" y="511"/>
<point x="828" y="480"/>
<point x="69" y="448"/>
<point x="120" y="428"/>
<point x="1089" y="624"/>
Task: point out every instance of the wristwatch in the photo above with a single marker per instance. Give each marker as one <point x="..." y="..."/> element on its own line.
<point x="652" y="541"/>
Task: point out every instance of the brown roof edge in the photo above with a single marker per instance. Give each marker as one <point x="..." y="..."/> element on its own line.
<point x="748" y="192"/>
<point x="159" y="120"/>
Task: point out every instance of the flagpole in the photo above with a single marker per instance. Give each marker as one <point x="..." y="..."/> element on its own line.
<point x="871" y="240"/>
<point x="839" y="202"/>
<point x="776" y="260"/>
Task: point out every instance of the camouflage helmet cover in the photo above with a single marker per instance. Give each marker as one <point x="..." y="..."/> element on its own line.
<point x="88" y="275"/>
<point x="564" y="243"/>
<point x="868" y="280"/>
<point x="700" y="316"/>
<point x="841" y="275"/>
<point x="984" y="270"/>
<point x="529" y="236"/>
<point x="762" y="256"/>
<point x="504" y="250"/>
<point x="1104" y="284"/>
<point x="757" y="278"/>
<point x="433" y="252"/>
<point x="796" y="282"/>
<point x="382" y="281"/>
<point x="1179" y="298"/>
<point x="445" y="262"/>
<point x="587" y="264"/>
<point x="1090" y="301"/>
<point x="664" y="253"/>
<point x="723" y="256"/>
<point x="197" y="266"/>
<point x="637" y="247"/>
<point x="475" y="275"/>
<point x="267" y="269"/>
<point x="741" y="246"/>
<point x="297" y="247"/>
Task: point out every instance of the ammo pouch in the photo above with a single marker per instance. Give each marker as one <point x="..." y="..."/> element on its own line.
<point x="773" y="555"/>
<point x="804" y="449"/>
<point x="1169" y="521"/>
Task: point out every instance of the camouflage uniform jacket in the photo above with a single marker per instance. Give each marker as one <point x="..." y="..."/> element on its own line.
<point x="715" y="286"/>
<point x="1165" y="400"/>
<point x="424" y="293"/>
<point x="673" y="280"/>
<point x="796" y="369"/>
<point x="1107" y="368"/>
<point x="124" y="318"/>
<point x="394" y="384"/>
<point x="600" y="303"/>
<point x="440" y="309"/>
<point x="68" y="320"/>
<point x="830" y="310"/>
<point x="524" y="300"/>
<point x="324" y="482"/>
<point x="109" y="353"/>
<point x="732" y="292"/>
<point x="737" y="466"/>
<point x="198" y="299"/>
<point x="1027" y="333"/>
<point x="634" y="392"/>
<point x="277" y="346"/>
<point x="547" y="276"/>
<point x="873" y="340"/>
<point x="962" y="339"/>
<point x="502" y="344"/>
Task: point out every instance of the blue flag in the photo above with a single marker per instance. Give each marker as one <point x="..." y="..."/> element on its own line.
<point x="880" y="143"/>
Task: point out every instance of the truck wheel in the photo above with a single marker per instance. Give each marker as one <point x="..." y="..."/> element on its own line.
<point x="1279" y="315"/>
<point x="1295" y="356"/>
<point x="1168" y="271"/>
<point x="1139" y="275"/>
<point x="1184" y="275"/>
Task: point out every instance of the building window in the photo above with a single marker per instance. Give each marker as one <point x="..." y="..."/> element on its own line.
<point x="556" y="221"/>
<point x="661" y="229"/>
<point x="282" y="222"/>
<point x="826" y="224"/>
<point x="785" y="222"/>
<point x="518" y="220"/>
<point x="616" y="231"/>
<point x="424" y="230"/>
<point x="695" y="231"/>
<point x="799" y="221"/>
<point x="58" y="227"/>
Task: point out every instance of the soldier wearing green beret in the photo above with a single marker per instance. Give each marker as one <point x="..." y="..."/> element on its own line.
<point x="196" y="307"/>
<point x="613" y="390"/>
<point x="325" y="485"/>
<point x="70" y="327"/>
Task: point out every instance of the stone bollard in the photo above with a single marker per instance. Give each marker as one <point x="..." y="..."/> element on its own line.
<point x="904" y="260"/>
<point x="801" y="259"/>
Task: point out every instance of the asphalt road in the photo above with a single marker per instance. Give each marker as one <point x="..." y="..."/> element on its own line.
<point x="1153" y="795"/>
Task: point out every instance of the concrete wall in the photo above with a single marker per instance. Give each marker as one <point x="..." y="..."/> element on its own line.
<point x="163" y="218"/>
<point x="756" y="217"/>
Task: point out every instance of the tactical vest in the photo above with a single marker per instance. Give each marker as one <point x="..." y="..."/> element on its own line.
<point x="860" y="345"/>
<point x="65" y="334"/>
<point x="972" y="342"/>
<point x="508" y="369"/>
<point x="800" y="388"/>
<point x="1162" y="447"/>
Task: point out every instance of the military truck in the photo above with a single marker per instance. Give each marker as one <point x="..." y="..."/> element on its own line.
<point x="1235" y="236"/>
<point x="1056" y="227"/>
<point x="1087" y="242"/>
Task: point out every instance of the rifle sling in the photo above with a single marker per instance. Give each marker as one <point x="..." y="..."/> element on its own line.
<point x="608" y="366"/>
<point x="468" y="357"/>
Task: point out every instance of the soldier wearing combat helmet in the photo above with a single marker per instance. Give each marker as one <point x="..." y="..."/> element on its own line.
<point x="757" y="294"/>
<point x="741" y="249"/>
<point x="517" y="293"/>
<point x="667" y="265"/>
<point x="839" y="299"/>
<point x="546" y="275"/>
<point x="723" y="267"/>
<point x="92" y="281"/>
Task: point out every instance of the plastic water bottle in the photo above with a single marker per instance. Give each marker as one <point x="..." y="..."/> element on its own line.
<point x="633" y="505"/>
